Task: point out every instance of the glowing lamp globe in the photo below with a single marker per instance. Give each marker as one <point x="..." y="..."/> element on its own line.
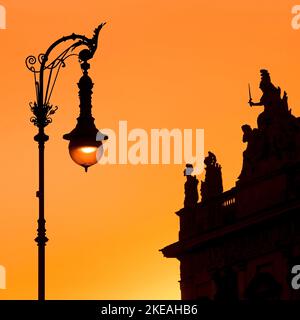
<point x="84" y="148"/>
<point x="84" y="153"/>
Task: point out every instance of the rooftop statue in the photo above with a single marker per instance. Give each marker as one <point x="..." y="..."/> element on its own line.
<point x="276" y="140"/>
<point x="274" y="105"/>
<point x="190" y="187"/>
<point x="212" y="185"/>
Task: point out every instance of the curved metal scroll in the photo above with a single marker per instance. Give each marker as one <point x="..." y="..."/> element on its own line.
<point x="42" y="109"/>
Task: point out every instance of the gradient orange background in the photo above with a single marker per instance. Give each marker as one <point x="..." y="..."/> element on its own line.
<point x="160" y="63"/>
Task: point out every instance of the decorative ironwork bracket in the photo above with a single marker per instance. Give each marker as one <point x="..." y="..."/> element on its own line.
<point x="42" y="109"/>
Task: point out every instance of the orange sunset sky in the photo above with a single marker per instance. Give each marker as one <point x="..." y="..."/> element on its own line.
<point x="160" y="64"/>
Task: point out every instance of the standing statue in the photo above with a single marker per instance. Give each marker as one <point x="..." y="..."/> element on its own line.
<point x="190" y="187"/>
<point x="212" y="185"/>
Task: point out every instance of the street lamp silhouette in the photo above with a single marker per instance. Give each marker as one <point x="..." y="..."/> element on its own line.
<point x="83" y="146"/>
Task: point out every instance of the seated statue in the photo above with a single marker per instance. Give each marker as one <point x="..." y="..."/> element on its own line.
<point x="271" y="100"/>
<point x="276" y="140"/>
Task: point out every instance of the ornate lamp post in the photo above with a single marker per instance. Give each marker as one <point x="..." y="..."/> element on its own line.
<point x="83" y="145"/>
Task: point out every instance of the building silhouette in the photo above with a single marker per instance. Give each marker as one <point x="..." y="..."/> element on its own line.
<point x="243" y="243"/>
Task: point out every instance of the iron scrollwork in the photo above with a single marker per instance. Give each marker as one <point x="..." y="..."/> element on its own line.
<point x="42" y="109"/>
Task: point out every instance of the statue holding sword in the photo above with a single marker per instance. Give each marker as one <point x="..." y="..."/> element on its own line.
<point x="274" y="106"/>
<point x="276" y="140"/>
<point x="271" y="94"/>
